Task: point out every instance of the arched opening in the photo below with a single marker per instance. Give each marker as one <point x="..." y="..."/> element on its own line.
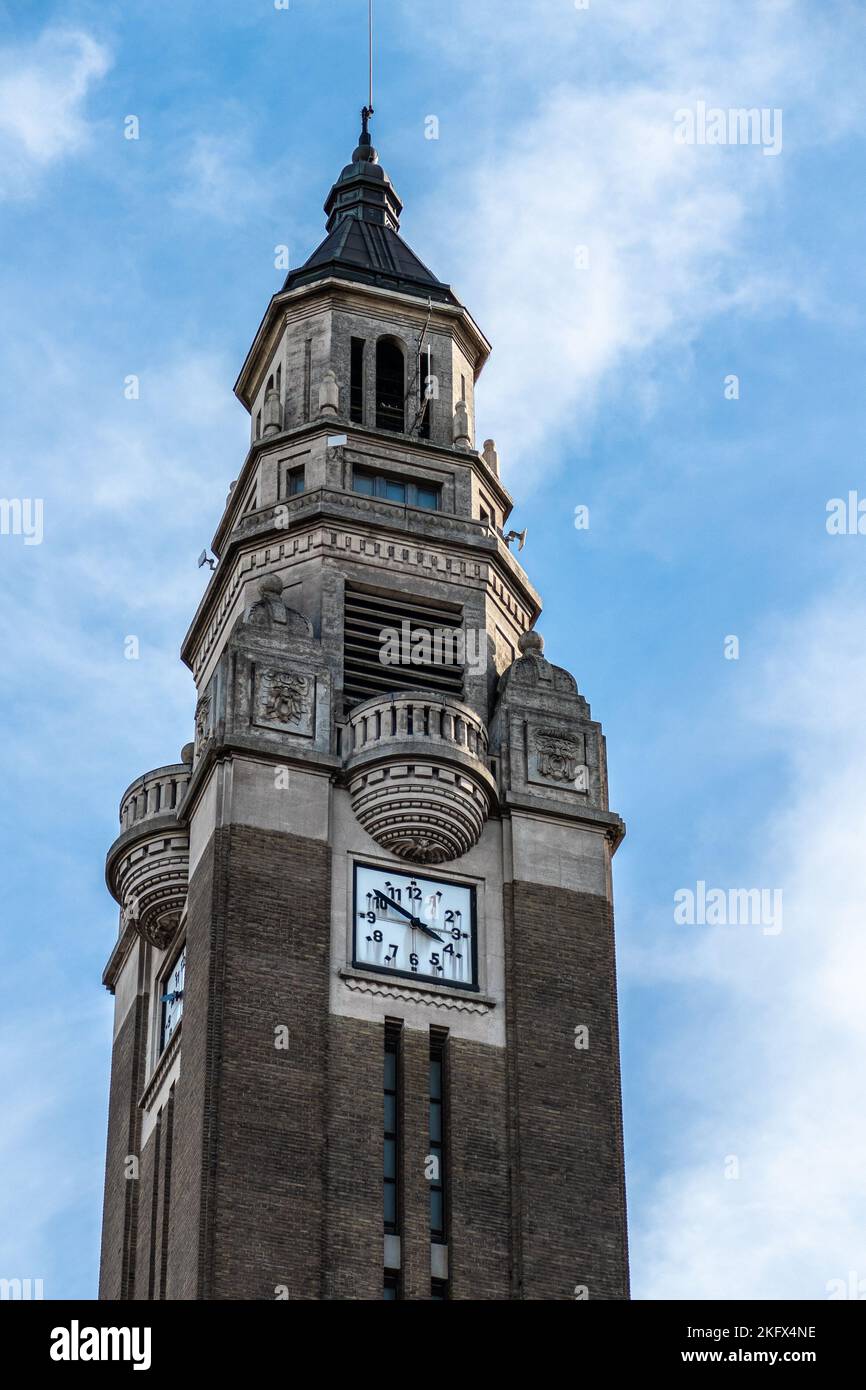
<point x="390" y="387"/>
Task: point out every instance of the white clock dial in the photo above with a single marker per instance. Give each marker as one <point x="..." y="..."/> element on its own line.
<point x="408" y="924"/>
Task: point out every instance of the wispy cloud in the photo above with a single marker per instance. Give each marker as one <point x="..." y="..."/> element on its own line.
<point x="222" y="178"/>
<point x="769" y="1068"/>
<point x="601" y="246"/>
<point x="44" y="86"/>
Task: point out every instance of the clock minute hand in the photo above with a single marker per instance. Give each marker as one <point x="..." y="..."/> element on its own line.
<point x="416" y="921"/>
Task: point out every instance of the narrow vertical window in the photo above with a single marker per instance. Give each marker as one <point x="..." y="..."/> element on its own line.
<point x="427" y="388"/>
<point x="437" y="1155"/>
<point x="391" y="1157"/>
<point x="280" y="380"/>
<point x="390" y="389"/>
<point x="356" y="391"/>
<point x="259" y="425"/>
<point x="308" y="368"/>
<point x="462" y="387"/>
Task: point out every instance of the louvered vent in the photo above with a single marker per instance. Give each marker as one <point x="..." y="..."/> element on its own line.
<point x="366" y="616"/>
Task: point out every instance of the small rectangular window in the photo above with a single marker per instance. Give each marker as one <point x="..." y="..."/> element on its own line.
<point x="391" y="1286"/>
<point x="365" y="483"/>
<point x="438" y="1288"/>
<point x="294" y="482"/>
<point x="356" y="393"/>
<point x="370" y="484"/>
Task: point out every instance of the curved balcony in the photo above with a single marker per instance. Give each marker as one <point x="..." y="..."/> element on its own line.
<point x="154" y="793"/>
<point x="416" y="764"/>
<point x="147" y="867"/>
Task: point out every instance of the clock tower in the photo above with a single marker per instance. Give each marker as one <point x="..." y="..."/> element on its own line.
<point x="365" y="1039"/>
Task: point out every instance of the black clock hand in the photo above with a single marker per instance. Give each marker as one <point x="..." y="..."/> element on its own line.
<point x="416" y="921"/>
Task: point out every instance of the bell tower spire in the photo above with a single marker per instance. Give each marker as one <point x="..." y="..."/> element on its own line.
<point x="366" y="921"/>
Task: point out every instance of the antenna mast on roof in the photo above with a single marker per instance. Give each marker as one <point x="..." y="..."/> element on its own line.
<point x="370" y="30"/>
<point x="365" y="144"/>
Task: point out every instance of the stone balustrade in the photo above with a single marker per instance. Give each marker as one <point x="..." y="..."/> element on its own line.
<point x="416" y="765"/>
<point x="437" y="721"/>
<point x="156" y="793"/>
<point x="147" y="868"/>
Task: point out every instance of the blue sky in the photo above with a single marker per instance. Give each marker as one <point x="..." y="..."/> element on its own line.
<point x="606" y="388"/>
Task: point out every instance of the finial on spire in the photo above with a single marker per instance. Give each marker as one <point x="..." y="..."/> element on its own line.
<point x="365" y="153"/>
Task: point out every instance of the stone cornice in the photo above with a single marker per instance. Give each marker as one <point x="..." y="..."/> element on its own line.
<point x="606" y="823"/>
<point x="122" y="947"/>
<point x="258" y="750"/>
<point x="383" y="443"/>
<point x="329" y="532"/>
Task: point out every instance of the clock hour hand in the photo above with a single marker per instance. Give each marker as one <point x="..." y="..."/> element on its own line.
<point x="416" y="921"/>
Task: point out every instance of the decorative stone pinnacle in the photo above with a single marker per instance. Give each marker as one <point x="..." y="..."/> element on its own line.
<point x="531" y="643"/>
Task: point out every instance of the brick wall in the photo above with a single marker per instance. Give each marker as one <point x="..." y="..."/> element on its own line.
<point x="120" y="1206"/>
<point x="264" y="1171"/>
<point x="249" y="1144"/>
<point x="567" y="1151"/>
<point x="194" y="1097"/>
<point x="476" y="1111"/>
<point x="352" y="1254"/>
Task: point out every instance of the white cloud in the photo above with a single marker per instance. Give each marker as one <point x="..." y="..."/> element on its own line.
<point x="674" y="232"/>
<point x="771" y="1071"/>
<point x="132" y="492"/>
<point x="44" y="86"/>
<point x="222" y="179"/>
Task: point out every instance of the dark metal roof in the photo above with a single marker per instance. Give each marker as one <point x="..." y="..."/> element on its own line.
<point x="363" y="242"/>
<point x="374" y="255"/>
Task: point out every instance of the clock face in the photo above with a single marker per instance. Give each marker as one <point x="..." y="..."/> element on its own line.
<point x="423" y="928"/>
<point x="172" y="999"/>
